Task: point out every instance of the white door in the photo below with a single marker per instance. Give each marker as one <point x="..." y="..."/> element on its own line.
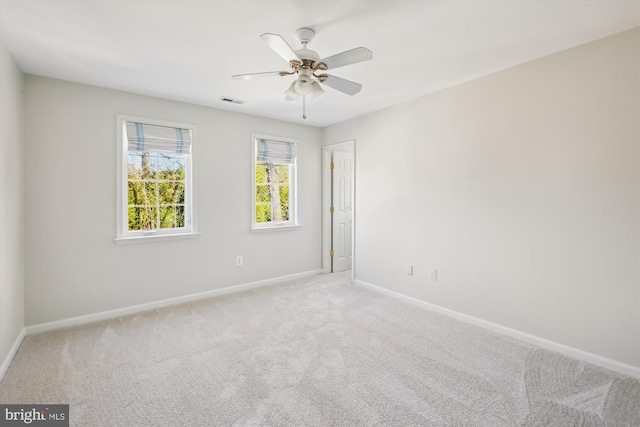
<point x="342" y="203"/>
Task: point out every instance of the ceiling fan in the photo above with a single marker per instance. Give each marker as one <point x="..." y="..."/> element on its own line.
<point x="310" y="68"/>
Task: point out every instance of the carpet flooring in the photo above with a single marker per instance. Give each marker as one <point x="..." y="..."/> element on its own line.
<point x="317" y="351"/>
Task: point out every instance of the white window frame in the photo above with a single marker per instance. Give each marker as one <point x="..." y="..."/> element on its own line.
<point x="292" y="223"/>
<point x="123" y="234"/>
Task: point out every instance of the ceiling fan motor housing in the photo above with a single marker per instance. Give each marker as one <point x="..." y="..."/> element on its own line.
<point x="305" y="53"/>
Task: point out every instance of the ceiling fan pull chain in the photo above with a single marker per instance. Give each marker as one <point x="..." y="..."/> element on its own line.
<point x="304" y="107"/>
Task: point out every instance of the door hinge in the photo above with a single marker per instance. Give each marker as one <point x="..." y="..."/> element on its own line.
<point x="331" y="253"/>
<point x="331" y="166"/>
<point x="331" y="209"/>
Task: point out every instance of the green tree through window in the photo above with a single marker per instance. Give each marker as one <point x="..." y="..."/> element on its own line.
<point x="272" y="192"/>
<point x="156" y="191"/>
<point x="274" y="195"/>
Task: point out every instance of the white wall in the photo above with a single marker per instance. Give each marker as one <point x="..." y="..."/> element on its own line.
<point x="73" y="266"/>
<point x="11" y="203"/>
<point x="522" y="188"/>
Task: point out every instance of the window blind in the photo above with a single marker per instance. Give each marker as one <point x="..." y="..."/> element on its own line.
<point x="276" y="152"/>
<point x="161" y="139"/>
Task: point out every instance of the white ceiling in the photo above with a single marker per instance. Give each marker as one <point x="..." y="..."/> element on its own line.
<point x="188" y="50"/>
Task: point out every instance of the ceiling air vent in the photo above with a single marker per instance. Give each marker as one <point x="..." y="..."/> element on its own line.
<point x="231" y="100"/>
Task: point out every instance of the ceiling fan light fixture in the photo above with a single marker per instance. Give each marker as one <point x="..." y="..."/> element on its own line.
<point x="303" y="85"/>
<point x="291" y="93"/>
<point x="316" y="90"/>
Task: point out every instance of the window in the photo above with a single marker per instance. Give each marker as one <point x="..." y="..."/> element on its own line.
<point x="274" y="182"/>
<point x="155" y="189"/>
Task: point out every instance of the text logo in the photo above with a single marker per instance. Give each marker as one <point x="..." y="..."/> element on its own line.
<point x="34" y="415"/>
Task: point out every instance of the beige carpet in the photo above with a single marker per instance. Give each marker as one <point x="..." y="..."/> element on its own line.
<point x="317" y="351"/>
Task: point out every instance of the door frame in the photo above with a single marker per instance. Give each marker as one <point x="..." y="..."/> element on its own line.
<point x="326" y="203"/>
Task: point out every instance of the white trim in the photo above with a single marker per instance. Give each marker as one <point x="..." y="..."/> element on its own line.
<point x="282" y="227"/>
<point x="157" y="238"/>
<point x="12" y="353"/>
<point x="110" y="314"/>
<point x="326" y="205"/>
<point x="575" y="353"/>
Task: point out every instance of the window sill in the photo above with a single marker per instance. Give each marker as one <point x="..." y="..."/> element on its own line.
<point x="158" y="238"/>
<point x="276" y="228"/>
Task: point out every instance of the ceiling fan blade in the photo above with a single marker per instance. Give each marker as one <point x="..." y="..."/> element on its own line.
<point x="280" y="46"/>
<point x="342" y="85"/>
<point x="353" y="56"/>
<point x="256" y="75"/>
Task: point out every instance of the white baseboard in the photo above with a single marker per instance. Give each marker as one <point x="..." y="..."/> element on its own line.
<point x="513" y="333"/>
<point x="12" y="352"/>
<point x="110" y="314"/>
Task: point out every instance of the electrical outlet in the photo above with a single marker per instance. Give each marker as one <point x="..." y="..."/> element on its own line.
<point x="239" y="261"/>
<point x="409" y="270"/>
